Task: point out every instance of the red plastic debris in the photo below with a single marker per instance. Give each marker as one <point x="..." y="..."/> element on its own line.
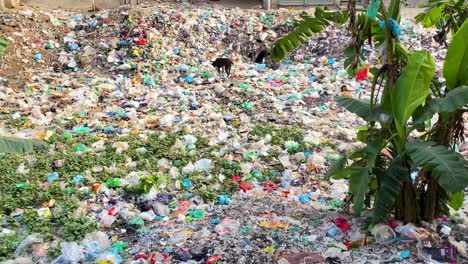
<point x="141" y="256"/>
<point x="269" y="187"/>
<point x="184" y="205"/>
<point x="141" y="42"/>
<point x="111" y="211"/>
<point x="213" y="260"/>
<point x="342" y="224"/>
<point x="37" y="41"/>
<point x="245" y="186"/>
<point x="165" y="256"/>
<point x="393" y="223"/>
<point x="153" y="258"/>
<point x="236" y="179"/>
<point x="362" y="75"/>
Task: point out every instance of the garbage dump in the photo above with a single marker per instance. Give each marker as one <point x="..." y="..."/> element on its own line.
<point x="156" y="157"/>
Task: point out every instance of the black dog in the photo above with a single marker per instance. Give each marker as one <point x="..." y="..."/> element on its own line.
<point x="261" y="57"/>
<point x="223" y="63"/>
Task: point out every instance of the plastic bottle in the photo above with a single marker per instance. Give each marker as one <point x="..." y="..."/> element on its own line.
<point x="286" y="179"/>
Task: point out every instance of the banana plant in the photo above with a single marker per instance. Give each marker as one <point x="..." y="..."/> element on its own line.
<point x="411" y="98"/>
<point x="20" y="145"/>
<point x="446" y="15"/>
<point x="305" y="27"/>
<point x="403" y="97"/>
<point x="449" y="100"/>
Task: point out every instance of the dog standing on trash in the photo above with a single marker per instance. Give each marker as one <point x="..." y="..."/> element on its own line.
<point x="223" y="63"/>
<point x="261" y="57"/>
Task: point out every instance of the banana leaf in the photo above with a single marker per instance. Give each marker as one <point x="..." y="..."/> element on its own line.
<point x="20" y="145"/>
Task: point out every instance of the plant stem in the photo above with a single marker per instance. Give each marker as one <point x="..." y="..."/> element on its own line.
<point x="391" y="70"/>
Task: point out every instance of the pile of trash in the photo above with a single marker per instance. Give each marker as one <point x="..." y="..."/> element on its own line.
<point x="155" y="158"/>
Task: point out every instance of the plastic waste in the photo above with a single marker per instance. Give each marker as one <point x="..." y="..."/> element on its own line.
<point x="303" y="257"/>
<point x="187" y="184"/>
<point x="44" y="212"/>
<point x="180" y="236"/>
<point x="224" y="199"/>
<point x="78" y="179"/>
<point x="411" y="232"/>
<point x="395" y="28"/>
<point x="445" y="230"/>
<point x="291" y="145"/>
<point x="203" y="165"/>
<point x="71" y="253"/>
<point x="342" y="223"/>
<point x="227" y="226"/>
<point x="106" y="219"/>
<point x="383" y="234"/>
<point x="461" y="246"/>
<point x="37" y="57"/>
<point x="373" y="9"/>
<point x="335" y="232"/>
<point x="108" y="258"/>
<point x="305" y="198"/>
<point x="161" y="209"/>
<point x="52" y="177"/>
<point x="119" y="246"/>
<point x="286" y="179"/>
<point x="443" y="254"/>
<point x="28" y="242"/>
<point x="273" y="224"/>
<point x="245" y="186"/>
<point x="356" y="238"/>
<point x="137" y="222"/>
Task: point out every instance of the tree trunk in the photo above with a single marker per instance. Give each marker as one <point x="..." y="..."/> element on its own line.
<point x="430" y="200"/>
<point x="406" y="207"/>
<point x="433" y="197"/>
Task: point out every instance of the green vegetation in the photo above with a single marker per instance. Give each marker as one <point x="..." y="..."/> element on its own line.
<point x="72" y="156"/>
<point x="404" y="89"/>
